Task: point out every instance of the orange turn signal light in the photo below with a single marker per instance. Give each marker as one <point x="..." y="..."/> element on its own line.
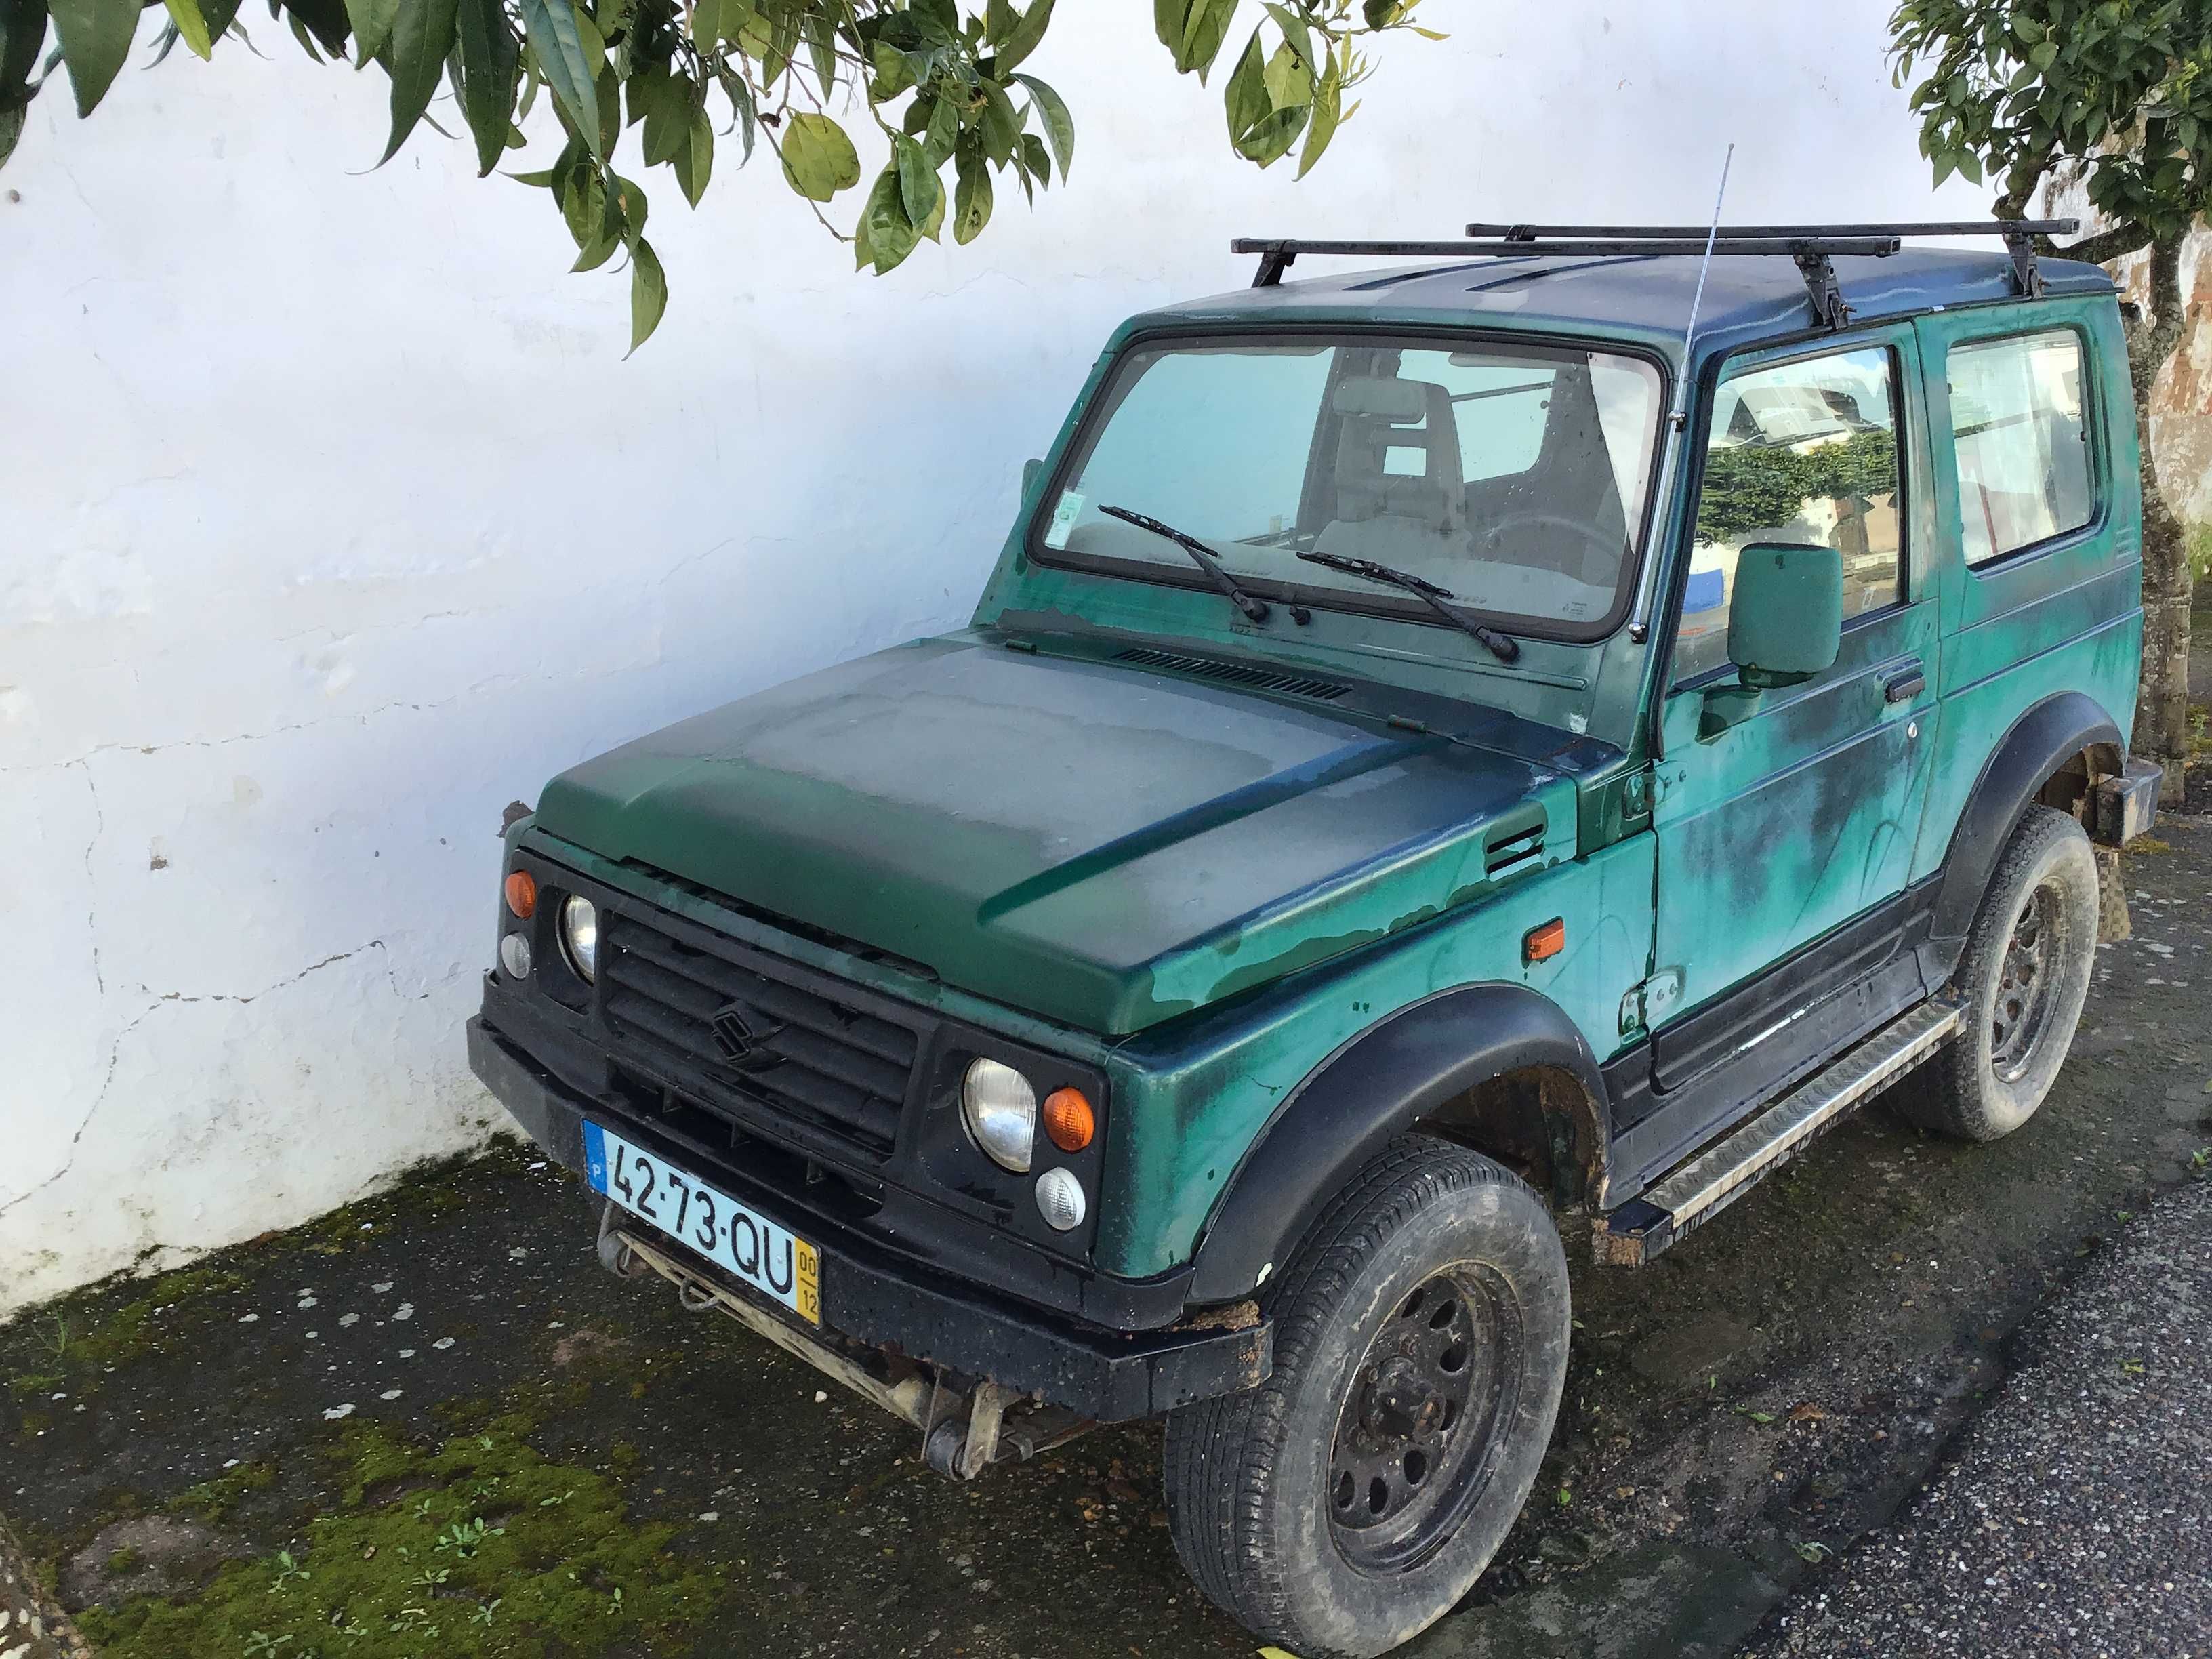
<point x="1069" y="1123"/>
<point x="522" y="893"/>
<point x="1541" y="944"/>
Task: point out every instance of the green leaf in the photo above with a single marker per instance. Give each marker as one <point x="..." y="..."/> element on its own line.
<point x="558" y="49"/>
<point x="822" y="47"/>
<point x="1001" y="125"/>
<point x="372" y="26"/>
<point x="608" y="90"/>
<point x="1169" y="19"/>
<point x="326" y="20"/>
<point x="1295" y="30"/>
<point x="582" y="192"/>
<point x="1271" y="140"/>
<point x="667" y="120"/>
<point x="191" y="27"/>
<point x="919" y="188"/>
<point x="1059" y="124"/>
<point x="592" y="42"/>
<point x="490" y="58"/>
<point x="95" y="37"/>
<point x="694" y="160"/>
<point x="1245" y="97"/>
<point x="712" y="20"/>
<point x="1025" y="38"/>
<point x="891" y="235"/>
<point x="629" y="203"/>
<point x="971" y="198"/>
<point x="1327" y="116"/>
<point x="741" y="99"/>
<point x="1206" y="27"/>
<point x="11" y="129"/>
<point x="23" y="36"/>
<point x="421" y="35"/>
<point x="1035" y="162"/>
<point x="648" y="292"/>
<point x="893" y="73"/>
<point x="1289" y="81"/>
<point x="942" y="132"/>
<point x="818" y="159"/>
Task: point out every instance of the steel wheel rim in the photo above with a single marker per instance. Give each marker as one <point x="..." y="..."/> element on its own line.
<point x="2021" y="1011"/>
<point x="1423" y="1421"/>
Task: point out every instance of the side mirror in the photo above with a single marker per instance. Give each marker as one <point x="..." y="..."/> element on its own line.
<point x="1785" y="625"/>
<point x="1786" y="613"/>
<point x="1031" y="472"/>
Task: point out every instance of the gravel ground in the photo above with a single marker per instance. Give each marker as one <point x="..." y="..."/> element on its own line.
<point x="2072" y="1520"/>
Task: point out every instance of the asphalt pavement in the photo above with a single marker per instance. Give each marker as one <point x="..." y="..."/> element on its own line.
<point x="2072" y="1518"/>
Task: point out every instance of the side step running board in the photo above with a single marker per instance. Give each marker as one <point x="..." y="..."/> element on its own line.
<point x="1701" y="1188"/>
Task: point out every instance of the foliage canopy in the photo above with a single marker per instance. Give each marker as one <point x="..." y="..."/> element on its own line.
<point x="941" y="81"/>
<point x="2118" y="92"/>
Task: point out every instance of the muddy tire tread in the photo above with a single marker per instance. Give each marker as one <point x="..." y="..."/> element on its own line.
<point x="1949" y="1095"/>
<point x="1216" y="1523"/>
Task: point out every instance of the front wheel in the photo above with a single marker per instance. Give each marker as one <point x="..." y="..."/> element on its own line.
<point x="1421" y="1335"/>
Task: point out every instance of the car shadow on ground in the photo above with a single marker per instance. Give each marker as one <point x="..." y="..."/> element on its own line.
<point x="431" y="1424"/>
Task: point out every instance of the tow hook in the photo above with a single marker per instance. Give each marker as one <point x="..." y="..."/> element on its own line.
<point x="966" y="1425"/>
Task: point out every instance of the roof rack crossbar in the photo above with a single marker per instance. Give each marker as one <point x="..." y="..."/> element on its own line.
<point x="1698" y="232"/>
<point x="1811" y="253"/>
<point x="2019" y="236"/>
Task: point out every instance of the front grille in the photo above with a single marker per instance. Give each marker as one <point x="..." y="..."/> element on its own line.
<point x="789" y="1057"/>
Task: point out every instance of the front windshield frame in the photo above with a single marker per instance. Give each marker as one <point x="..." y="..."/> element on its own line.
<point x="1385" y="603"/>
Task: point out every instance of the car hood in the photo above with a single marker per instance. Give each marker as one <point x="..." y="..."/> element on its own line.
<point x="1098" y="844"/>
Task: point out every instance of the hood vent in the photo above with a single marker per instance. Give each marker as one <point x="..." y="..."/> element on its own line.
<point x="1245" y="674"/>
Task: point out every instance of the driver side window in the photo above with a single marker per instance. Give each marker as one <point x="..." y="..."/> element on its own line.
<point x="1803" y="452"/>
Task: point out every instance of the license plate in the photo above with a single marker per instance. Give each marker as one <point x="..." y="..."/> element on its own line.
<point x="773" y="1261"/>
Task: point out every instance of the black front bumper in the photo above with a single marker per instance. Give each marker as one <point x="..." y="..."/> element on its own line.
<point x="872" y="1297"/>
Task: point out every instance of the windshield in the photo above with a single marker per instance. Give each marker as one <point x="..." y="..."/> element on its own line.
<point x="1514" y="475"/>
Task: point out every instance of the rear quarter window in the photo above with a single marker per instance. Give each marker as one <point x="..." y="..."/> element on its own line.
<point x="2018" y="430"/>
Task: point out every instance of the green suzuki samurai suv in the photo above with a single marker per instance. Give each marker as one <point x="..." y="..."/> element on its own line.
<point x="1452" y="760"/>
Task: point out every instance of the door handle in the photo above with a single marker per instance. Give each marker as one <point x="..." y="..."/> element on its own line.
<point x="1904" y="685"/>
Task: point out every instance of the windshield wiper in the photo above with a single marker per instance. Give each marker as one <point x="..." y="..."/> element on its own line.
<point x="1200" y="555"/>
<point x="1501" y="646"/>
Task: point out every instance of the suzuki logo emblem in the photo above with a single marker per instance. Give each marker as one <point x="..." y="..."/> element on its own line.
<point x="743" y="1033"/>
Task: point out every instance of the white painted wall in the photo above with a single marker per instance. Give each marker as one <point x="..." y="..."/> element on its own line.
<point x="331" y="520"/>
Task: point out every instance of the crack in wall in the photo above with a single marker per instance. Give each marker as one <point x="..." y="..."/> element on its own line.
<point x="364" y="715"/>
<point x="92" y="908"/>
<point x="115" y="1052"/>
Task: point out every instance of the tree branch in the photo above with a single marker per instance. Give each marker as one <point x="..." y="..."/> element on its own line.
<point x="2107" y="245"/>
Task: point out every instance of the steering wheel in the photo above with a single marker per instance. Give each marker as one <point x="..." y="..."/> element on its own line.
<point x="1598" y="539"/>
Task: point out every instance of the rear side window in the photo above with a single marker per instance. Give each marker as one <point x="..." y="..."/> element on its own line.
<point x="2023" y="447"/>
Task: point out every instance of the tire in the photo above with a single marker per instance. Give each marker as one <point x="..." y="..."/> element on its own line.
<point x="2024" y="975"/>
<point x="1277" y="1498"/>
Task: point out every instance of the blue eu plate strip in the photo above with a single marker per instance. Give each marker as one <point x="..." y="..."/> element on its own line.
<point x="595" y="1156"/>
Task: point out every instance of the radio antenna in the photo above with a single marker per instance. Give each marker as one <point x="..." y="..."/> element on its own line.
<point x="1678" y="421"/>
<point x="1704" y="268"/>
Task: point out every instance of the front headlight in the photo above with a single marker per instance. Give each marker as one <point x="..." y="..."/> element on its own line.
<point x="579" y="936"/>
<point x="999" y="1107"/>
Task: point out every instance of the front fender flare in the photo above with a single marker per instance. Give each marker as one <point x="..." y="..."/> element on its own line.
<point x="1354" y="1103"/>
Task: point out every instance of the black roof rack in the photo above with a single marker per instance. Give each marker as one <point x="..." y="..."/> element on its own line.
<point x="1813" y="247"/>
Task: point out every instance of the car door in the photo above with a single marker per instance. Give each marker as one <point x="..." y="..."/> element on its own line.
<point x="1785" y="841"/>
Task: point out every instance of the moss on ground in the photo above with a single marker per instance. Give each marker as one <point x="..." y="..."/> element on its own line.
<point x="172" y="1307"/>
<point x="475" y="1548"/>
<point x="215" y="1500"/>
<point x="72" y="1344"/>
